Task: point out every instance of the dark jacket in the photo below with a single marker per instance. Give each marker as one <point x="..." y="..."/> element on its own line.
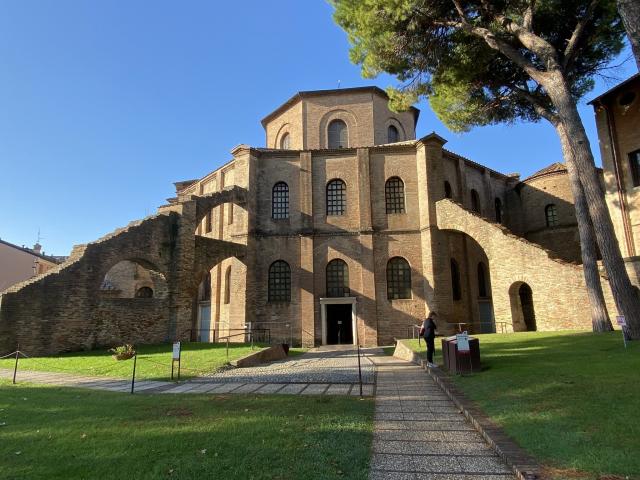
<point x="429" y="328"/>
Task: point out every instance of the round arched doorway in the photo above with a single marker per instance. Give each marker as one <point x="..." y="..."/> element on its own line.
<point x="522" y="308"/>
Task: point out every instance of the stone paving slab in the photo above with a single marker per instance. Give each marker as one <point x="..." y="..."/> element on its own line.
<point x="420" y="434"/>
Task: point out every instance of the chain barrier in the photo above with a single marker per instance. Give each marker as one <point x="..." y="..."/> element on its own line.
<point x="12" y="354"/>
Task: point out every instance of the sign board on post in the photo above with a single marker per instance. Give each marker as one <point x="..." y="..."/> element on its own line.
<point x="176" y="358"/>
<point x="623" y="323"/>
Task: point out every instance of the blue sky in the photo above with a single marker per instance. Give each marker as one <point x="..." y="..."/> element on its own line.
<point x="104" y="104"/>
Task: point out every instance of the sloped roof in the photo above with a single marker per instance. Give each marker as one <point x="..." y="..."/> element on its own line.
<point x="48" y="258"/>
<point x="615" y="89"/>
<point x="555" y="167"/>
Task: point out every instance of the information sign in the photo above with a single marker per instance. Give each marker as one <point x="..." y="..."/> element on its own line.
<point x="462" y="340"/>
<point x="176" y="350"/>
<point x="621" y="321"/>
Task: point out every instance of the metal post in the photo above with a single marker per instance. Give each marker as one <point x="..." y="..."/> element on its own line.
<point x="227" y="348"/>
<point x="179" y="362"/>
<point x="15" y="368"/>
<point x="133" y="377"/>
<point x="359" y="370"/>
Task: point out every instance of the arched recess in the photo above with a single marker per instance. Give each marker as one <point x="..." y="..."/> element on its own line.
<point x="134" y="278"/>
<point x="464" y="280"/>
<point x="282" y="131"/>
<point x="394" y="122"/>
<point x="338" y="114"/>
<point x="522" y="307"/>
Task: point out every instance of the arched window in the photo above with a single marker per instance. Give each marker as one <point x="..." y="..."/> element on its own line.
<point x="336" y="197"/>
<point x="398" y="279"/>
<point x="338" y="278"/>
<point x="227" y="285"/>
<point x="447" y="190"/>
<point x="144" y="292"/>
<point x="455" y="280"/>
<point x="394" y="195"/>
<point x="279" y="282"/>
<point x="204" y="290"/>
<point x="551" y="214"/>
<point x="338" y="134"/>
<point x="482" y="280"/>
<point x="280" y="201"/>
<point x="475" y="201"/>
<point x="208" y="222"/>
<point x="498" y="203"/>
<point x="392" y="134"/>
<point x="285" y="141"/>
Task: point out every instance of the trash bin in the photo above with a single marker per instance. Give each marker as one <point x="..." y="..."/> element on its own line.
<point x="461" y="362"/>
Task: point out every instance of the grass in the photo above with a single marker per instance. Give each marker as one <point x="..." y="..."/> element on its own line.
<point x="154" y="361"/>
<point x="55" y="433"/>
<point x="571" y="399"/>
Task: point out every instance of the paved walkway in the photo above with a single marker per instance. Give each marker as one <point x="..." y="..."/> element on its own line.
<point x="320" y="371"/>
<point x="420" y="434"/>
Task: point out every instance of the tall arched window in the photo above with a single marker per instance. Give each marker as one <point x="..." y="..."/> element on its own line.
<point x="394" y="195"/>
<point x="208" y="221"/>
<point x="338" y="134"/>
<point x="338" y="278"/>
<point x="227" y="285"/>
<point x="551" y="214"/>
<point x="204" y="289"/>
<point x="482" y="280"/>
<point x="285" y="141"/>
<point x="447" y="190"/>
<point x="280" y="201"/>
<point x="279" y="282"/>
<point x="455" y="280"/>
<point x="398" y="279"/>
<point x="475" y="201"/>
<point x="336" y="197"/>
<point x="392" y="134"/>
<point x="498" y="203"/>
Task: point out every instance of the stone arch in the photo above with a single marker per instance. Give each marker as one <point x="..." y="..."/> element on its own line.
<point x="125" y="278"/>
<point x="338" y="114"/>
<point x="284" y="129"/>
<point x="204" y="204"/>
<point x="392" y="121"/>
<point x="522" y="307"/>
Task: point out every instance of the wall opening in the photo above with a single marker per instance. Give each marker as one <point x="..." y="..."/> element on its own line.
<point x="133" y="279"/>
<point x="522" y="307"/>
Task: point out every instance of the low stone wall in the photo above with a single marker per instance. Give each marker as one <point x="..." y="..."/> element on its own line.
<point x="276" y="352"/>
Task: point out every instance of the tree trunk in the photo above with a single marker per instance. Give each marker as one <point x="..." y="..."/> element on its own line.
<point x="599" y="316"/>
<point x="629" y="11"/>
<point x="624" y="294"/>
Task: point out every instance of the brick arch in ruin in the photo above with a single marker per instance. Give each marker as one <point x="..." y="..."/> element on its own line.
<point x="205" y="203"/>
<point x="559" y="293"/>
<point x="63" y="309"/>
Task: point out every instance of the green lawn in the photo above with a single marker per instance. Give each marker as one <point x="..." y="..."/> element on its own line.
<point x="154" y="361"/>
<point x="56" y="433"/>
<point x="571" y="399"/>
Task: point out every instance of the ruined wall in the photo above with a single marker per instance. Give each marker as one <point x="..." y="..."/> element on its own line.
<point x="559" y="293"/>
<point x="535" y="194"/>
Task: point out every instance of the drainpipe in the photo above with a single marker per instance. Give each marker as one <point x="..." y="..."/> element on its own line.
<point x="611" y="130"/>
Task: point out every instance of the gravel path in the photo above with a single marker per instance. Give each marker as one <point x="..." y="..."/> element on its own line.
<point x="329" y="365"/>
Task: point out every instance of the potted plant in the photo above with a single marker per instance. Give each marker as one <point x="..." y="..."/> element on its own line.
<point x="123" y="352"/>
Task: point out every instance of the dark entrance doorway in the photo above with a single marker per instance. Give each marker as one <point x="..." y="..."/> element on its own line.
<point x="339" y="325"/>
<point x="526" y="300"/>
